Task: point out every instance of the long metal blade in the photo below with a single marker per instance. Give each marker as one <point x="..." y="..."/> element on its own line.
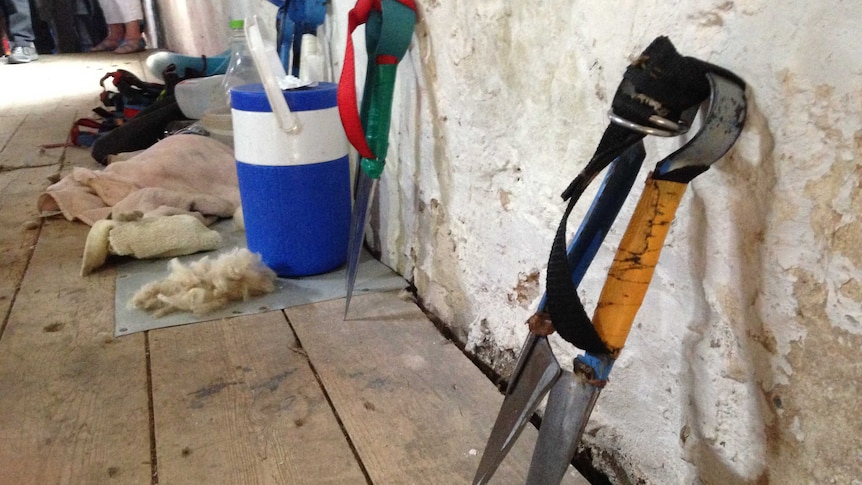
<point x="538" y="374"/>
<point x="571" y="397"/>
<point x="365" y="190"/>
<point x="600" y="216"/>
<point x="569" y="407"/>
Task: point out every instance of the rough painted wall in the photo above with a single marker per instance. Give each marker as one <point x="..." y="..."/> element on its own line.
<point x="744" y="364"/>
<point x="200" y="27"/>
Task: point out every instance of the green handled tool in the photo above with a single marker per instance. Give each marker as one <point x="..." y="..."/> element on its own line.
<point x="658" y="87"/>
<point x="388" y="31"/>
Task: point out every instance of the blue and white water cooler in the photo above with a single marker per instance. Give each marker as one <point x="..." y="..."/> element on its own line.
<point x="294" y="186"/>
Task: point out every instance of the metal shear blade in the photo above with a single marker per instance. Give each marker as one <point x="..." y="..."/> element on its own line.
<point x="571" y="396"/>
<point x="364" y="195"/>
<point x="537" y="374"/>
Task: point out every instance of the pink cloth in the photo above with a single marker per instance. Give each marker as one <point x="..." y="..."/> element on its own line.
<point x="181" y="174"/>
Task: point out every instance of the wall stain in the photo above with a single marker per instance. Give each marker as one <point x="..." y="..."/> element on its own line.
<point x="809" y="447"/>
<point x="505" y="198"/>
<point x="526" y="290"/>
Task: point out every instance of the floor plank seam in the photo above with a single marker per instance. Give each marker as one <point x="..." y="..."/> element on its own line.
<point x="60" y="163"/>
<point x="7" y="169"/>
<point x="12" y="136"/>
<point x="331" y="404"/>
<point x="14" y="297"/>
<point x="500" y="381"/>
<point x="582" y="461"/>
<point x="151" y="409"/>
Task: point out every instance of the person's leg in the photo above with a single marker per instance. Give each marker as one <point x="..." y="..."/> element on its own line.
<point x="7" y="48"/>
<point x="112" y="41"/>
<point x="20" y="23"/>
<point x="132" y="13"/>
<point x="133" y="32"/>
<point x="133" y="41"/>
<point x="21" y="35"/>
<point x="114" y="19"/>
<point x="90" y="23"/>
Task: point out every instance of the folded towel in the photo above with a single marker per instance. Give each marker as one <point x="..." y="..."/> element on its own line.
<point x="148" y="237"/>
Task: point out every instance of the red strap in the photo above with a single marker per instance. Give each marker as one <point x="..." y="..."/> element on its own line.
<point x="87" y="122"/>
<point x="74" y="132"/>
<point x="347" y="98"/>
<point x="347" y="102"/>
<point x="386" y="59"/>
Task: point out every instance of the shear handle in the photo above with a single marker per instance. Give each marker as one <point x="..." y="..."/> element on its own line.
<point x="639" y="250"/>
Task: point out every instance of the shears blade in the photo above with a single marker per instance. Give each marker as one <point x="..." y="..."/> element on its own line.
<point x="570" y="398"/>
<point x="365" y="190"/>
<point x="537" y="374"/>
<point x="389" y="28"/>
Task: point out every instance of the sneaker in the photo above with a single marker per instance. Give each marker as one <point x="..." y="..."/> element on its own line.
<point x="22" y="54"/>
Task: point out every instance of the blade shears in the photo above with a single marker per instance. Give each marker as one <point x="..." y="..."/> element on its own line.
<point x="661" y="95"/>
<point x="389" y="28"/>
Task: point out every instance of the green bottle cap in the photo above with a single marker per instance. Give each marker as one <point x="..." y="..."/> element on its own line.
<point x="237" y="23"/>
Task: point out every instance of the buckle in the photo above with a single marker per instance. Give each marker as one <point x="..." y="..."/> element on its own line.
<point x="663" y="126"/>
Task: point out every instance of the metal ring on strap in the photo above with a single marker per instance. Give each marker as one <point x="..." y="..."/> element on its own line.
<point x="665" y="128"/>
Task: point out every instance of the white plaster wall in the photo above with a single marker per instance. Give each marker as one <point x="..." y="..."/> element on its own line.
<point x="200" y="27"/>
<point x="744" y="364"/>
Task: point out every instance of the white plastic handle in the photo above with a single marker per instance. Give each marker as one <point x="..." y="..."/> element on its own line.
<point x="270" y="69"/>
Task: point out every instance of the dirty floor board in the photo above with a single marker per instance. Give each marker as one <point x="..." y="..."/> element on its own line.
<point x="294" y="397"/>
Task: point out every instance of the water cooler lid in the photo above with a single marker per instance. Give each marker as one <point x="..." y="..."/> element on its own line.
<point x="252" y="97"/>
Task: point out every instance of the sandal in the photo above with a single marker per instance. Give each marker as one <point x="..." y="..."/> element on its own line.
<point x="130" y="46"/>
<point x="105" y="45"/>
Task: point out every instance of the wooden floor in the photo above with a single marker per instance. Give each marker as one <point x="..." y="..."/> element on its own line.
<point x="292" y="397"/>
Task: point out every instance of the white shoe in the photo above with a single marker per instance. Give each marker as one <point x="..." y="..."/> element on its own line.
<point x="22" y="54"/>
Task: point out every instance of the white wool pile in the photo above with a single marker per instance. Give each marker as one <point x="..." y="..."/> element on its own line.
<point x="207" y="285"/>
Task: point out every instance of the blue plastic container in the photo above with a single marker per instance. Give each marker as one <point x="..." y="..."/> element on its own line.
<point x="295" y="187"/>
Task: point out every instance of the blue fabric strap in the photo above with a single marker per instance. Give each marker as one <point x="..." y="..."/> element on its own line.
<point x="296" y="18"/>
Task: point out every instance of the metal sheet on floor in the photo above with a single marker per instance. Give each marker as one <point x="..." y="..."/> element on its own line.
<point x="132" y="275"/>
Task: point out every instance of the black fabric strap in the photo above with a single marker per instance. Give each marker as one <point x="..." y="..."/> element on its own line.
<point x="659" y="82"/>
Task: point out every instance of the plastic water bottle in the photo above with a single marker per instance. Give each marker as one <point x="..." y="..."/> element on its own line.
<point x="241" y="69"/>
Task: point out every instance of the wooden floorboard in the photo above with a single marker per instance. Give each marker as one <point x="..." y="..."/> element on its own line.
<point x="8" y="126"/>
<point x="73" y="400"/>
<point x="20" y="222"/>
<point x="236" y="402"/>
<point x="24" y="148"/>
<point x="417" y="410"/>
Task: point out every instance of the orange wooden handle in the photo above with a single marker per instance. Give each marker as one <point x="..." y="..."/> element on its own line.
<point x="634" y="264"/>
